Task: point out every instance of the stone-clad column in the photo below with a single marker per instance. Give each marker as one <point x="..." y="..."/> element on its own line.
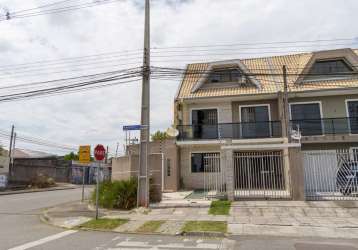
<point x="227" y="165"/>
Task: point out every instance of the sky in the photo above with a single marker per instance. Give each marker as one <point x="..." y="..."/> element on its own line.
<point x="97" y="116"/>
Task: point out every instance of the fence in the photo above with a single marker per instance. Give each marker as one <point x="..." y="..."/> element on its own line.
<point x="260" y="175"/>
<point x="214" y="176"/>
<point x="331" y="175"/>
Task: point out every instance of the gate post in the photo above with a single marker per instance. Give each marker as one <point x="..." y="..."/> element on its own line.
<point x="227" y="164"/>
<point x="297" y="174"/>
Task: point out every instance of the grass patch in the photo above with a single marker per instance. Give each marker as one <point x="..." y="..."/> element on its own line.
<point x="106" y="224"/>
<point x="220" y="207"/>
<point x="205" y="226"/>
<point x="150" y="226"/>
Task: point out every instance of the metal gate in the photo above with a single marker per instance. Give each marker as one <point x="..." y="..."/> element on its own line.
<point x="214" y="176"/>
<point x="260" y="175"/>
<point x="331" y="175"/>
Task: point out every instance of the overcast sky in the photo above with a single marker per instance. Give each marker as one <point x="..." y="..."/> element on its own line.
<point x="97" y="116"/>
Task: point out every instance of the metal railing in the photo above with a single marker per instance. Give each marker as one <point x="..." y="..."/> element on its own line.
<point x="327" y="126"/>
<point x="244" y="130"/>
<point x="214" y="176"/>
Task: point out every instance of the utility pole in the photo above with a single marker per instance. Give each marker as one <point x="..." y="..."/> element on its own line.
<point x="285" y="89"/>
<point x="10" y="148"/>
<point x="13" y="150"/>
<point x="117" y="149"/>
<point x="143" y="181"/>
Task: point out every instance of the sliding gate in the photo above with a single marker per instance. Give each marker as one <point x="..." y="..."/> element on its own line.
<point x="331" y="175"/>
<point x="260" y="175"/>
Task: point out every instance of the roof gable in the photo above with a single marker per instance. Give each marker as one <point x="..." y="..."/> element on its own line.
<point x="224" y="65"/>
<point x="347" y="56"/>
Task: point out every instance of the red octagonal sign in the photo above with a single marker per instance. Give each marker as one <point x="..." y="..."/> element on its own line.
<point x="99" y="152"/>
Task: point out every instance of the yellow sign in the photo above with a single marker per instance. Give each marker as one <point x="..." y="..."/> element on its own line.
<point x="84" y="154"/>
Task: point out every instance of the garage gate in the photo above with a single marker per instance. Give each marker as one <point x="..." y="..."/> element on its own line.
<point x="331" y="175"/>
<point x="260" y="175"/>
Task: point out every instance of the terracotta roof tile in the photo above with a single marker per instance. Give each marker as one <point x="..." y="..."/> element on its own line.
<point x="269" y="83"/>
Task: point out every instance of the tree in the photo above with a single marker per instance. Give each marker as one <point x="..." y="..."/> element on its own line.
<point x="71" y="157"/>
<point x="159" y="136"/>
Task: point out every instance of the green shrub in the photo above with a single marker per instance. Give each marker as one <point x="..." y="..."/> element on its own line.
<point x="117" y="194"/>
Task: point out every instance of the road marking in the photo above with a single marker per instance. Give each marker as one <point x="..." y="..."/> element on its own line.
<point x="44" y="240"/>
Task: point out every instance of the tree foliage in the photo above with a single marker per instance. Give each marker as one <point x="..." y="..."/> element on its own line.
<point x="71" y="157"/>
<point x="159" y="136"/>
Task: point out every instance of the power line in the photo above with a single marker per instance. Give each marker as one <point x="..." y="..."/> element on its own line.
<point x="13" y="15"/>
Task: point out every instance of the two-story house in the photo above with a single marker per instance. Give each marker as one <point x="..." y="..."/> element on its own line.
<point x="232" y="116"/>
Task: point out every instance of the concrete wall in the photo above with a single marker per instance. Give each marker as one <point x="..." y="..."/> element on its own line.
<point x="24" y="170"/>
<point x="127" y="166"/>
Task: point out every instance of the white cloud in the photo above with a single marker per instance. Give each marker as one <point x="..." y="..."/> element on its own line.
<point x="97" y="116"/>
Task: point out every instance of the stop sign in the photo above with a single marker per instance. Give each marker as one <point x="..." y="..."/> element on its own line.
<point x="99" y="152"/>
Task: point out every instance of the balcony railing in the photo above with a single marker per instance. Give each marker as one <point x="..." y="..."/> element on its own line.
<point x="326" y="126"/>
<point x="246" y="130"/>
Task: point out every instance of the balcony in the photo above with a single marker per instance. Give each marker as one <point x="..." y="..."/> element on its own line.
<point x="326" y="126"/>
<point x="247" y="130"/>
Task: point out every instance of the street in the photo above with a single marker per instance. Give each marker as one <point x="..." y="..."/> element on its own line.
<point x="21" y="228"/>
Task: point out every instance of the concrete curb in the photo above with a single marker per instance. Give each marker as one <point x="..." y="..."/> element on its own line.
<point x="205" y="234"/>
<point x="36" y="190"/>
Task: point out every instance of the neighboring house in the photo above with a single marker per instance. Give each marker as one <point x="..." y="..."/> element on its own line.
<point x="231" y="120"/>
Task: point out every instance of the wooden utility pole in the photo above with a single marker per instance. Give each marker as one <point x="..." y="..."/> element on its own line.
<point x="143" y="174"/>
<point x="286" y="109"/>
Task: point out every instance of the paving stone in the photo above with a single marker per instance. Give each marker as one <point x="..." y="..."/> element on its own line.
<point x="171" y="227"/>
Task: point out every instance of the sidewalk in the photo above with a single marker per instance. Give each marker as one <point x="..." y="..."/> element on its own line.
<point x="59" y="186"/>
<point x="274" y="218"/>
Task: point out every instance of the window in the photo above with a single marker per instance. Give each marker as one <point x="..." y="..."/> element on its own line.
<point x="204" y="123"/>
<point x="255" y="121"/>
<point x="352" y="107"/>
<point x="307" y="117"/>
<point x="326" y="67"/>
<point x="168" y="168"/>
<point x="226" y="75"/>
<point x="205" y="162"/>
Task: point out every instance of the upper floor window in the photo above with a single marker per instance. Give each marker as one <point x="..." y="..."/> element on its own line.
<point x="226" y="76"/>
<point x="327" y="69"/>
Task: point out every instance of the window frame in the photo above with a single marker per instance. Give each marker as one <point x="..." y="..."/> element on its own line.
<point x="309" y="102"/>
<point x="226" y="70"/>
<point x="347" y="114"/>
<point x="317" y="78"/>
<point x="203" y="152"/>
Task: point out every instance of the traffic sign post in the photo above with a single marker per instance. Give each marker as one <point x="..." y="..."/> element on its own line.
<point x="84" y="156"/>
<point x="99" y="155"/>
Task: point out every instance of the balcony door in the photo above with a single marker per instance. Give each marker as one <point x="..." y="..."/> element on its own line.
<point x="307" y="116"/>
<point x="352" y="109"/>
<point x="205" y="123"/>
<point x="255" y="121"/>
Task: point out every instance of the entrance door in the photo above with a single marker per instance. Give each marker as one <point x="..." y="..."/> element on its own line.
<point x="308" y="117"/>
<point x="352" y="107"/>
<point x="255" y="121"/>
<point x="205" y="124"/>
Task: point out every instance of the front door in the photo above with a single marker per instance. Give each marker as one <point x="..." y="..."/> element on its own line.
<point x="255" y="121"/>
<point x="205" y="124"/>
<point x="353" y="116"/>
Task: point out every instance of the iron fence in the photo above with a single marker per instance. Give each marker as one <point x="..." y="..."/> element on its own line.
<point x="260" y="175"/>
<point x="214" y="176"/>
<point x="331" y="175"/>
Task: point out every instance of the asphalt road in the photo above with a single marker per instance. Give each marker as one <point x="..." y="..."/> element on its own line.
<point x="21" y="229"/>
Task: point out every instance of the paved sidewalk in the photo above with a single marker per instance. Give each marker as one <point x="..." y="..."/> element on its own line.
<point x="59" y="186"/>
<point x="277" y="218"/>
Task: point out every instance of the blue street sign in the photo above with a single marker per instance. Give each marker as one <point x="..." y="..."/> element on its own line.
<point x="132" y="127"/>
